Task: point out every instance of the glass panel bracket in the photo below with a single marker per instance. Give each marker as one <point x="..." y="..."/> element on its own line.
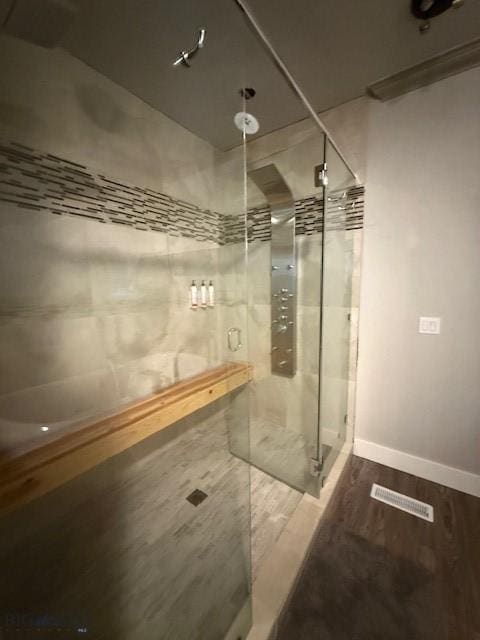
<point x="320" y="175"/>
<point x="315" y="467"/>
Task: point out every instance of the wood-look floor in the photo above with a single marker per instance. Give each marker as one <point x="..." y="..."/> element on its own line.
<point x="376" y="572"/>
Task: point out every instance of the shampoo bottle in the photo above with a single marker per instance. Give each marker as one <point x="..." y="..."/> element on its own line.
<point x="203" y="294"/>
<point x="211" y="294"/>
<point x="194" y="295"/>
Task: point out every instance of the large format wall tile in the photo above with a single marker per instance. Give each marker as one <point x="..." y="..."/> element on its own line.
<point x="43" y="265"/>
<point x="82" y="301"/>
<point x="53" y="101"/>
<point x="57" y="405"/>
<point x="36" y="351"/>
<point x="87" y="290"/>
<point x="309" y="269"/>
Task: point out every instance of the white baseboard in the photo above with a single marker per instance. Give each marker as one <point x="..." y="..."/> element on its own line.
<point x="427" y="469"/>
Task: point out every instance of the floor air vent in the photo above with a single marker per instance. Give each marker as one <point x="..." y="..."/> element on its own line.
<point x="402" y="502"/>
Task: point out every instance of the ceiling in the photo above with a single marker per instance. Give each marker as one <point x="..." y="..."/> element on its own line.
<point x="334" y="48"/>
<point x="134" y="42"/>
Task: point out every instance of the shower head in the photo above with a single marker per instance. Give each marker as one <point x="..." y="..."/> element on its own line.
<point x="184" y="56"/>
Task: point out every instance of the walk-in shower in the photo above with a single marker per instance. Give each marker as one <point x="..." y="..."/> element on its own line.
<point x="149" y="448"/>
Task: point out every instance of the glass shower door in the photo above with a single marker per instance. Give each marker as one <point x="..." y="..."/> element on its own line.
<point x="284" y="319"/>
<point x="336" y="309"/>
<point x="154" y="542"/>
<point x="232" y="313"/>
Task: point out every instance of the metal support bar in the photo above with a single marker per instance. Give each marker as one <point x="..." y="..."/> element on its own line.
<point x="243" y="6"/>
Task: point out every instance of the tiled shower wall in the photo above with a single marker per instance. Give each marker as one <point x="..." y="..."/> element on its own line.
<point x="93" y="315"/>
<point x="92" y="310"/>
<point x="133" y="288"/>
<point x="54" y="103"/>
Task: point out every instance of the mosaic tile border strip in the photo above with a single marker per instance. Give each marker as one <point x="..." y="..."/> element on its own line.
<point x="44" y="182"/>
<point x="39" y="181"/>
<point x="346" y="208"/>
<point x="345" y="211"/>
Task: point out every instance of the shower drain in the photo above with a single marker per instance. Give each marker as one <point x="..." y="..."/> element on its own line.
<point x="197" y="497"/>
<point x="402" y="502"/>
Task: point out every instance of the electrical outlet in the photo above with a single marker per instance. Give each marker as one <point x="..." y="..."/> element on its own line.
<point x="429" y="325"/>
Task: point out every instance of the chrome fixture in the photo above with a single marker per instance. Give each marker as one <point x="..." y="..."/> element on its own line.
<point x="247" y="92"/>
<point x="320" y="176"/>
<point x="238" y="343"/>
<point x="283" y="270"/>
<point x="185" y="56"/>
<point x="246" y="123"/>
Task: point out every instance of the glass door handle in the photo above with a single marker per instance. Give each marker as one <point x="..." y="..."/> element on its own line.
<point x="238" y="342"/>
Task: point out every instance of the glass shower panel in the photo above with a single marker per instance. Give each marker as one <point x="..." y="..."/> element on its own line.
<point x="154" y="542"/>
<point x="284" y="403"/>
<point x="337" y="243"/>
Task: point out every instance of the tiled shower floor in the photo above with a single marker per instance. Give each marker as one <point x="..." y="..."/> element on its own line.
<point x="123" y="552"/>
<point x="272" y="505"/>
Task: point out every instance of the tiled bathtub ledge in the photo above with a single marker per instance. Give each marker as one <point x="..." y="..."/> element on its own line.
<point x="280" y="569"/>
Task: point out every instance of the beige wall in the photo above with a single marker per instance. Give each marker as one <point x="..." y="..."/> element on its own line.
<point x="418" y="404"/>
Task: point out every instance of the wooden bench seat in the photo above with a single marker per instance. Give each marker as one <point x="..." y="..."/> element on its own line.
<point x="37" y="472"/>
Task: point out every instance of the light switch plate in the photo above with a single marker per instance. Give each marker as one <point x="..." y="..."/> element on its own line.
<point x="429" y="325"/>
